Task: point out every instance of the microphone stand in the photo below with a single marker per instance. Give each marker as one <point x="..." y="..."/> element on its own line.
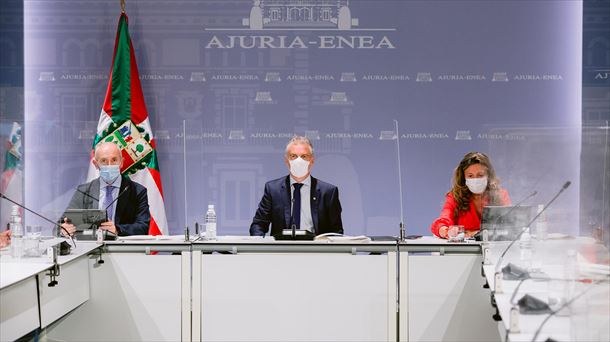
<point x="518" y="205"/>
<point x="401" y="225"/>
<point x="566" y="304"/>
<point x="53" y="271"/>
<point x="39" y="215"/>
<point x="497" y="280"/>
<point x="186" y="226"/>
<point x="484" y="233"/>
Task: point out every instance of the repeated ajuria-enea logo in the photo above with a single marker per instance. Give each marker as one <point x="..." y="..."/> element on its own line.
<point x="289" y="24"/>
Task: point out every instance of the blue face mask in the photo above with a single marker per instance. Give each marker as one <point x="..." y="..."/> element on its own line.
<point x="109" y="173"/>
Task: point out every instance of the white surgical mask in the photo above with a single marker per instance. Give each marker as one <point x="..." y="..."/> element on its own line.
<point x="476" y="185"/>
<point x="299" y="167"/>
<point x="109" y="173"/>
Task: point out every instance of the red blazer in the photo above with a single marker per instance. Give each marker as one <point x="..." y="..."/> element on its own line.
<point x="469" y="219"/>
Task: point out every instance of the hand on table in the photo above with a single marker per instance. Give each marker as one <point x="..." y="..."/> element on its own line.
<point x="109" y="226"/>
<point x="5" y="238"/>
<point x="443" y="232"/>
<point x="470" y="233"/>
<point x="69" y="228"/>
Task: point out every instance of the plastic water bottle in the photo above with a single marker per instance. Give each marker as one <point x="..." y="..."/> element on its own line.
<point x="525" y="245"/>
<point x="210" y="223"/>
<point x="17" y="243"/>
<point x="541" y="225"/>
<point x="571" y="274"/>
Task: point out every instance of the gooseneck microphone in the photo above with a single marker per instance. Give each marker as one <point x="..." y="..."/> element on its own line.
<point x="86" y="194"/>
<point x="499" y="262"/>
<point x="39" y="215"/>
<point x="516" y="206"/>
<point x="566" y="304"/>
<point x="117" y="198"/>
<point x="97" y="199"/>
<point x="499" y="218"/>
<point x="110" y="205"/>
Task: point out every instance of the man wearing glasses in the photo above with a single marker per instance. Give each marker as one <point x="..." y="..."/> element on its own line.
<point x="298" y="199"/>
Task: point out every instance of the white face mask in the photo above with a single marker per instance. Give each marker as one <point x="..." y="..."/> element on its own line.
<point x="476" y="185"/>
<point x="299" y="167"/>
<point x="109" y="173"/>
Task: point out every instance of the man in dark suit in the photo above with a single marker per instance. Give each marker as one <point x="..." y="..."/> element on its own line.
<point x="298" y="199"/>
<point x="126" y="201"/>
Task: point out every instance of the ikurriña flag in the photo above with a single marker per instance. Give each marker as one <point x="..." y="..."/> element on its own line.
<point x="124" y="121"/>
<point x="11" y="179"/>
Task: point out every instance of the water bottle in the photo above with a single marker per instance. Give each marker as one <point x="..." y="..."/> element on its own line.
<point x="525" y="245"/>
<point x="17" y="243"/>
<point x="541" y="225"/>
<point x="210" y="223"/>
<point x="570" y="274"/>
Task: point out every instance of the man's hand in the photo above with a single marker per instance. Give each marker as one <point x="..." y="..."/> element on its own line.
<point x="109" y="226"/>
<point x="5" y="238"/>
<point x="69" y="228"/>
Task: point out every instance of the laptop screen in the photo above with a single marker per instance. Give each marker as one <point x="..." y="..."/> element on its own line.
<point x="85" y="219"/>
<point x="505" y="222"/>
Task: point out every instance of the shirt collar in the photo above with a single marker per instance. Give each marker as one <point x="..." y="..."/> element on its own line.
<point x="116" y="183"/>
<point x="305" y="182"/>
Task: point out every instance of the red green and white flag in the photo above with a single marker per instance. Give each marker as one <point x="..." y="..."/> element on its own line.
<point x="124" y="121"/>
<point x="11" y="179"/>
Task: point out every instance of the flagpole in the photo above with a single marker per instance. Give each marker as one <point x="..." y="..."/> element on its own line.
<point x="123" y="6"/>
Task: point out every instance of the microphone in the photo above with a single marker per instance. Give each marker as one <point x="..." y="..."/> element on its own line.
<point x="499" y="218"/>
<point x="516" y="206"/>
<point x="117" y="198"/>
<point x="39" y="215"/>
<point x="499" y="262"/>
<point x="110" y="205"/>
<point x="86" y="194"/>
<point x="566" y="304"/>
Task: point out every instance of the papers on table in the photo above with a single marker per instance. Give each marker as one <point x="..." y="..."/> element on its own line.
<point x="150" y="237"/>
<point x="334" y="237"/>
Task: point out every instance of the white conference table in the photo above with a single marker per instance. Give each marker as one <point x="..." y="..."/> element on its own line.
<point x="550" y="262"/>
<point x="27" y="302"/>
<point x="237" y="288"/>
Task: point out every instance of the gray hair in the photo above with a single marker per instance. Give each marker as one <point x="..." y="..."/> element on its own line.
<point x="105" y="144"/>
<point x="300" y="140"/>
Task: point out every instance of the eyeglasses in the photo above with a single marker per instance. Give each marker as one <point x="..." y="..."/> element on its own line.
<point x="306" y="157"/>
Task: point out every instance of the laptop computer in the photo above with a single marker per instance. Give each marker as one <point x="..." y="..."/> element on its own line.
<point x="86" y="221"/>
<point x="504" y="223"/>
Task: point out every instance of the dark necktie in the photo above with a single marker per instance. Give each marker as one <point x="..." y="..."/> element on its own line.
<point x="108" y="201"/>
<point x="296" y="206"/>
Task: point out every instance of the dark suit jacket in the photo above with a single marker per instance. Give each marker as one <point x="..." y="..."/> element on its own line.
<point x="274" y="208"/>
<point x="132" y="216"/>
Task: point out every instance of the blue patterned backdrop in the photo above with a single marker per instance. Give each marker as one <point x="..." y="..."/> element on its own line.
<point x="502" y="77"/>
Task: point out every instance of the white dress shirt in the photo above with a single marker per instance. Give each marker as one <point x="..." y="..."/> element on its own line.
<point x="306" y="219"/>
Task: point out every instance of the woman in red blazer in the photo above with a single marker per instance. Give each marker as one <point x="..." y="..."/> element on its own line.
<point x="475" y="185"/>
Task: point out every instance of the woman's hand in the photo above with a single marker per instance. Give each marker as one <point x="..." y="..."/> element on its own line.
<point x="470" y="233"/>
<point x="5" y="238"/>
<point x="443" y="232"/>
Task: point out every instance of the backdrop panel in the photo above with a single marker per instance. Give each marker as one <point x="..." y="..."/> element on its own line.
<point x="502" y="77"/>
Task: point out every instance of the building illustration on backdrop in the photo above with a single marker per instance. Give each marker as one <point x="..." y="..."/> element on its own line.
<point x="276" y="14"/>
